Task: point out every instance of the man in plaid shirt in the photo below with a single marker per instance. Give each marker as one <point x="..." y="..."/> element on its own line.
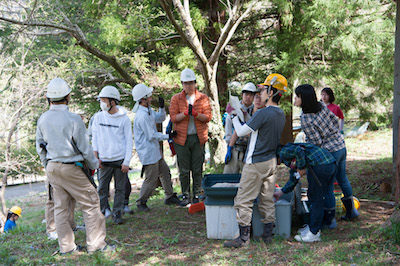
<point x="321" y="168"/>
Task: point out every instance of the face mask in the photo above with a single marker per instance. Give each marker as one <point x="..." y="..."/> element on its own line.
<point x="104" y="106"/>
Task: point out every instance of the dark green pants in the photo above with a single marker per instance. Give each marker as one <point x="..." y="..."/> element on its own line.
<point x="190" y="159"/>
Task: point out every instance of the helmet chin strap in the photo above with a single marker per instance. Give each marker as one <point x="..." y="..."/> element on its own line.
<point x="272" y="82"/>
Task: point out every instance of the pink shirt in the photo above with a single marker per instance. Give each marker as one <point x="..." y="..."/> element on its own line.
<point x="336" y="110"/>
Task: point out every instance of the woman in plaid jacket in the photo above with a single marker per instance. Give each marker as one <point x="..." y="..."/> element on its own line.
<point x="321" y="128"/>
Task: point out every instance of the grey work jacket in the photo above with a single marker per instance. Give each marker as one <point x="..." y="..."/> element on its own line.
<point x="65" y="137"/>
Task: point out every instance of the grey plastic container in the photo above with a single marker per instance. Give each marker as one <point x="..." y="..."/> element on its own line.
<point x="220" y="196"/>
<point x="283" y="217"/>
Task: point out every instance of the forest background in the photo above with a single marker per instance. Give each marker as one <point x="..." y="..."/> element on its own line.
<point x="345" y="45"/>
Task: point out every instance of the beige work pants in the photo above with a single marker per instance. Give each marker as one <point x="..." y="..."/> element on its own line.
<point x="153" y="172"/>
<point x="258" y="180"/>
<point x="69" y="182"/>
<point x="49" y="210"/>
<point x="235" y="165"/>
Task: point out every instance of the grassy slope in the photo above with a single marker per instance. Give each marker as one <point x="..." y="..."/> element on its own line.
<point x="170" y="235"/>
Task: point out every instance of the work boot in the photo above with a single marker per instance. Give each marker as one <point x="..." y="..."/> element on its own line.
<point x="242" y="241"/>
<point x="143" y="207"/>
<point x="267" y="234"/>
<point x="329" y="220"/>
<point x="173" y="200"/>
<point x="185" y="201"/>
<point x="117" y="217"/>
<point x="351" y="211"/>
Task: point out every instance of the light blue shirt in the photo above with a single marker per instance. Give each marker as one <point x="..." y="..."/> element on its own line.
<point x="146" y="135"/>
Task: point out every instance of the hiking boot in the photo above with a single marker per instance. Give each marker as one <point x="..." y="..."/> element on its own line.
<point x="308" y="236"/>
<point x="52" y="236"/>
<point x="107" y="213"/>
<point x="117" y="217"/>
<point x="106" y="249"/>
<point x="173" y="200"/>
<point x="143" y="207"/>
<point x="195" y="199"/>
<point x="127" y="210"/>
<point x="77" y="250"/>
<point x="267" y="234"/>
<point x="185" y="201"/>
<point x="351" y="211"/>
<point x="243" y="239"/>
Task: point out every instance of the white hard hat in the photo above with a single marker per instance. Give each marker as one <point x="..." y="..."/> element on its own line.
<point x="57" y="89"/>
<point x="188" y="75"/>
<point x="141" y="91"/>
<point x="110" y="92"/>
<point x="250" y="87"/>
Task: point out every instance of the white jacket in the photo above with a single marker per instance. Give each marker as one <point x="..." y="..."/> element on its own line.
<point x="112" y="136"/>
<point x="147" y="136"/>
<point x="64" y="133"/>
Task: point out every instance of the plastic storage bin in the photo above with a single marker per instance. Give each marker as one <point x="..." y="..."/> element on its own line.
<point x="220" y="213"/>
<point x="283" y="217"/>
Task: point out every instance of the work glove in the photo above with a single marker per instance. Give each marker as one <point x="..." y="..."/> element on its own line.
<point x="161" y="102"/>
<point x="228" y="156"/>
<point x="172" y="134"/>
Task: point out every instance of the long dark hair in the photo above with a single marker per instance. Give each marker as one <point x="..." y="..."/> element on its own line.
<point x="330" y="94"/>
<point x="309" y="102"/>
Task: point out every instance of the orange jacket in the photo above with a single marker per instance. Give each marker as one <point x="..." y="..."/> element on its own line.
<point x="201" y="105"/>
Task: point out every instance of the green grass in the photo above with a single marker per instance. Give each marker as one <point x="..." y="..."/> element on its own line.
<point x="168" y="235"/>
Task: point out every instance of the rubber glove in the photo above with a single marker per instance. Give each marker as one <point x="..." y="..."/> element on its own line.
<point x="228" y="156"/>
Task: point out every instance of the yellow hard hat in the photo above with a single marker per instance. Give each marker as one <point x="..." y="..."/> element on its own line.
<point x="277" y="81"/>
<point x="356" y="203"/>
<point x="17" y="210"/>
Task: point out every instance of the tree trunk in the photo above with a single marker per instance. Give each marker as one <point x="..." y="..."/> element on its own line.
<point x="287" y="134"/>
<point x="215" y="132"/>
<point x="396" y="98"/>
<point x="13" y="126"/>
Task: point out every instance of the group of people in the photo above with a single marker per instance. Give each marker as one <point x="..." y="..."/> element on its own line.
<point x="70" y="157"/>
<point x="254" y="149"/>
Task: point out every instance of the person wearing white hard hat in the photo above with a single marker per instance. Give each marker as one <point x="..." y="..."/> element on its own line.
<point x="237" y="145"/>
<point x="147" y="145"/>
<point x="190" y="112"/>
<point x="112" y="143"/>
<point x="63" y="146"/>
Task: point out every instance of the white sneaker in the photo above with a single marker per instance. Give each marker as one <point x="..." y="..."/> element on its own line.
<point x="303" y="230"/>
<point x="127" y="210"/>
<point x="308" y="236"/>
<point x="107" y="213"/>
<point x="52" y="236"/>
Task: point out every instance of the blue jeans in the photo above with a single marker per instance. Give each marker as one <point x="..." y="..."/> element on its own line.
<point x="341" y="178"/>
<point x="316" y="192"/>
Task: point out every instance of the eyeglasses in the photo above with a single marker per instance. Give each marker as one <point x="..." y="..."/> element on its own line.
<point x="188" y="82"/>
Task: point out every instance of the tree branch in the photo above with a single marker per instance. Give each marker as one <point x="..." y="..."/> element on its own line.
<point x="77" y="33"/>
<point x="229" y="29"/>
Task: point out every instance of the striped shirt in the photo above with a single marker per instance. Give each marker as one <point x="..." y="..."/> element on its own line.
<point x="322" y="129"/>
